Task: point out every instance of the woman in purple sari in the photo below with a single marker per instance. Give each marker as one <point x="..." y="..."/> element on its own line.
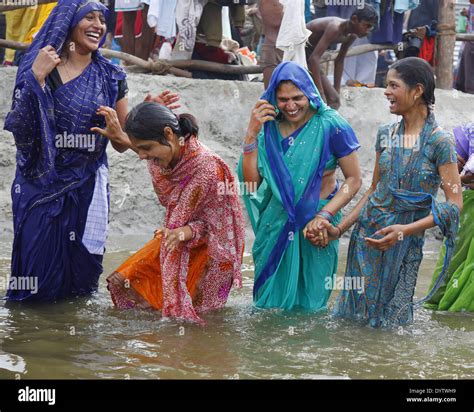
<point x="60" y="191"/>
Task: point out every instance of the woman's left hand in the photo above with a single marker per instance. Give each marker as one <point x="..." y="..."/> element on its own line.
<point x="316" y="232"/>
<point x="173" y="238"/>
<point x="166" y="99"/>
<point x="113" y="131"/>
<point x="392" y="235"/>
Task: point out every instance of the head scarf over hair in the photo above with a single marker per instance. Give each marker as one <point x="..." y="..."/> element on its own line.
<point x="56" y="29"/>
<point x="326" y="131"/>
<point x="290" y="71"/>
<point x="69" y="109"/>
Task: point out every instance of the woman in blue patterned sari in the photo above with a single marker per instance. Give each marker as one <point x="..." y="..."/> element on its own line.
<point x="289" y="168"/>
<point x="413" y="157"/>
<point x="60" y="191"/>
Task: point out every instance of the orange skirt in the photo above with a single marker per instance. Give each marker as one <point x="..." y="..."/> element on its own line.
<point x="137" y="282"/>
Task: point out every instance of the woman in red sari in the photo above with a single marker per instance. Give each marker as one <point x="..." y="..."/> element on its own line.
<point x="193" y="261"/>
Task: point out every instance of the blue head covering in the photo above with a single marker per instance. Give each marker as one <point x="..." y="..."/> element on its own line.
<point x="300" y="77"/>
<point x="98" y="85"/>
<point x="327" y="123"/>
<point x="56" y="29"/>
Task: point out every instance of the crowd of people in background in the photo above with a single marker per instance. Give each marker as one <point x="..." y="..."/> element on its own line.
<point x="246" y="32"/>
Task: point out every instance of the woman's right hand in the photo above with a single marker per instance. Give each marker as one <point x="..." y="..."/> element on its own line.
<point x="113" y="131"/>
<point x="46" y="60"/>
<point x="333" y="233"/>
<point x="262" y="112"/>
<point x="165" y="98"/>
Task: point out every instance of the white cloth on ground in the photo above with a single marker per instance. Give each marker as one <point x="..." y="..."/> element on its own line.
<point x="293" y="33"/>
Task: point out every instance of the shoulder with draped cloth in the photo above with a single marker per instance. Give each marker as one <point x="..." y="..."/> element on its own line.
<point x="60" y="191"/>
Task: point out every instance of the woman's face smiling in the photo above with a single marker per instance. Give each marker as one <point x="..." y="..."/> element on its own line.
<point x="162" y="155"/>
<point x="401" y="98"/>
<point x="88" y="33"/>
<point x="292" y="103"/>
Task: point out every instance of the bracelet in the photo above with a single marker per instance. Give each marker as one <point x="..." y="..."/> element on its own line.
<point x="251" y="147"/>
<point x="325" y="214"/>
<point x="340" y="230"/>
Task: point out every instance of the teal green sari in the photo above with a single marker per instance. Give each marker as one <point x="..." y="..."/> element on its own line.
<point x="290" y="272"/>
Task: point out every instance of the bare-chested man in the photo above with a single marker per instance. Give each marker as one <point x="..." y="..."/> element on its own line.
<point x="272" y="14"/>
<point x="330" y="30"/>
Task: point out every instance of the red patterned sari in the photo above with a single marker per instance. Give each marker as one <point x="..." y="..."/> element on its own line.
<point x="196" y="276"/>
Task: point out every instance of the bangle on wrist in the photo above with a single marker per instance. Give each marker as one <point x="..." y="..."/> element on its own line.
<point x="340" y="230"/>
<point x="325" y="214"/>
<point x="251" y="147"/>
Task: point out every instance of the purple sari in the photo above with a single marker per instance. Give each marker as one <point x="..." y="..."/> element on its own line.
<point x="56" y="182"/>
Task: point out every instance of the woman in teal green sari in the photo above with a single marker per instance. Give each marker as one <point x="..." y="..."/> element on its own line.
<point x="288" y="169"/>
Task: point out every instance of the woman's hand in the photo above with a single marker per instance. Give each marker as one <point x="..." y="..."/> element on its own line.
<point x="392" y="235"/>
<point x="334" y="232"/>
<point x="316" y="232"/>
<point x="262" y="112"/>
<point x="172" y="238"/>
<point x="113" y="131"/>
<point x="46" y="60"/>
<point x="166" y="99"/>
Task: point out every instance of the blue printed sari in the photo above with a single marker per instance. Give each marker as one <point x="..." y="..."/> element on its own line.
<point x="409" y="181"/>
<point x="59" y="195"/>
<point x="289" y="271"/>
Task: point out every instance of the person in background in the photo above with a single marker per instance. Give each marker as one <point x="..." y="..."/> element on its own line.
<point x="111" y="23"/>
<point x="465" y="75"/>
<point x="329" y="30"/>
<point x="456" y="294"/>
<point x="270" y="57"/>
<point x="22" y="25"/>
<point x="143" y="46"/>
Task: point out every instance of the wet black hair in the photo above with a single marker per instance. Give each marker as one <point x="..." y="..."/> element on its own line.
<point x="366" y="13"/>
<point x="147" y="121"/>
<point x="413" y="71"/>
